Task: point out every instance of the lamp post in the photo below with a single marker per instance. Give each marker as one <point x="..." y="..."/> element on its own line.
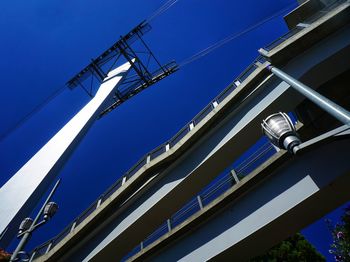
<point x="28" y="225"/>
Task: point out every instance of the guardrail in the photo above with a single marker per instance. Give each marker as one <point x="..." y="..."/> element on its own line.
<point x="260" y="154"/>
<point x="303" y="25"/>
<point x="146" y="159"/>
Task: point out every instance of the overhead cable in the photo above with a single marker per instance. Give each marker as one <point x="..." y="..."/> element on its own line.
<point x="229" y="38"/>
<point x="166" y="6"/>
<point x="36" y="109"/>
<point x="162" y="9"/>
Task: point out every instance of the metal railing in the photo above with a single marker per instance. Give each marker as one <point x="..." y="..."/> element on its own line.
<point x="160" y="150"/>
<point x="259" y="155"/>
<point x="306" y="22"/>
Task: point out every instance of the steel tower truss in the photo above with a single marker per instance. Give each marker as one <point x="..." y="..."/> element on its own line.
<point x="147" y="69"/>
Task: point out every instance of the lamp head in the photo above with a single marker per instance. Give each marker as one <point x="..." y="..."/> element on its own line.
<point x="50" y="210"/>
<point x="281" y="131"/>
<point x="25" y="225"/>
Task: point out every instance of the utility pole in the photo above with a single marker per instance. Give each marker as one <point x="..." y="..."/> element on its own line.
<point x="48" y="209"/>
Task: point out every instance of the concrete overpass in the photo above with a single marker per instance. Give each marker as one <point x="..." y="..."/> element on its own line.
<point x="279" y="198"/>
<point x="165" y="179"/>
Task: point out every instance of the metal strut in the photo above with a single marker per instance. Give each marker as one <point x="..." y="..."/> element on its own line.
<point x="146" y="73"/>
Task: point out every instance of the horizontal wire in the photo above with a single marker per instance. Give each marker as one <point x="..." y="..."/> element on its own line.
<point x="255" y="159"/>
<point x="162" y="9"/>
<point x="158" y="230"/>
<point x="252" y="158"/>
<point x="227" y="39"/>
<point x="218" y="186"/>
<point x="180" y="213"/>
<point x="37" y="108"/>
<point x="29" y="115"/>
<point x="252" y="155"/>
<point x="210" y="187"/>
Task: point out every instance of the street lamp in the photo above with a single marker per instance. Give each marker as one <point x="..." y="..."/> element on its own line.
<point x="50" y="210"/>
<point x="28" y="225"/>
<point x="25" y="225"/>
<point x="281" y="131"/>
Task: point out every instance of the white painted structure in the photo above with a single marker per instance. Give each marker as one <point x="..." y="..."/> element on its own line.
<point x="20" y="194"/>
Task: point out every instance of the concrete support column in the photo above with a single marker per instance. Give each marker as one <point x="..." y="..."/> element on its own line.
<point x="21" y="193"/>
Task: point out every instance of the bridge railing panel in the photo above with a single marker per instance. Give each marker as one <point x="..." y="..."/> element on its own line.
<point x="157" y="151"/>
<point x="202" y="114"/>
<point x="215" y="190"/>
<point x="158" y="233"/>
<point x="260" y="155"/>
<point x="137" y="166"/>
<point x="184" y="131"/>
<point x="86" y="213"/>
<point x="254" y="157"/>
<point x="112" y="189"/>
<point x="306" y="22"/>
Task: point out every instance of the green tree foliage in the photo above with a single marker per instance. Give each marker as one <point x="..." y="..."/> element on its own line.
<point x="293" y="249"/>
<point x="340" y="247"/>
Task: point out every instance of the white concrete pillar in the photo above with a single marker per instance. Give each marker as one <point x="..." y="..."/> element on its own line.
<point x="22" y="191"/>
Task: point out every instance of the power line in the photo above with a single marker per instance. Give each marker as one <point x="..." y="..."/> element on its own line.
<point x="162" y="9"/>
<point x="189" y="60"/>
<point x="229" y="38"/>
<point x="37" y="108"/>
<point x="31" y="113"/>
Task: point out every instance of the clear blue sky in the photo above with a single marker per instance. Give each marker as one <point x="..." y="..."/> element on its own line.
<point x="44" y="43"/>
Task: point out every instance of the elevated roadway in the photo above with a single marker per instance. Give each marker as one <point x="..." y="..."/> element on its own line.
<point x="167" y="182"/>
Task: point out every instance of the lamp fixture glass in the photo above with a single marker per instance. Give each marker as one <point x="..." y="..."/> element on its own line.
<point x="25" y="225"/>
<point x="281" y="131"/>
<point x="50" y="210"/>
